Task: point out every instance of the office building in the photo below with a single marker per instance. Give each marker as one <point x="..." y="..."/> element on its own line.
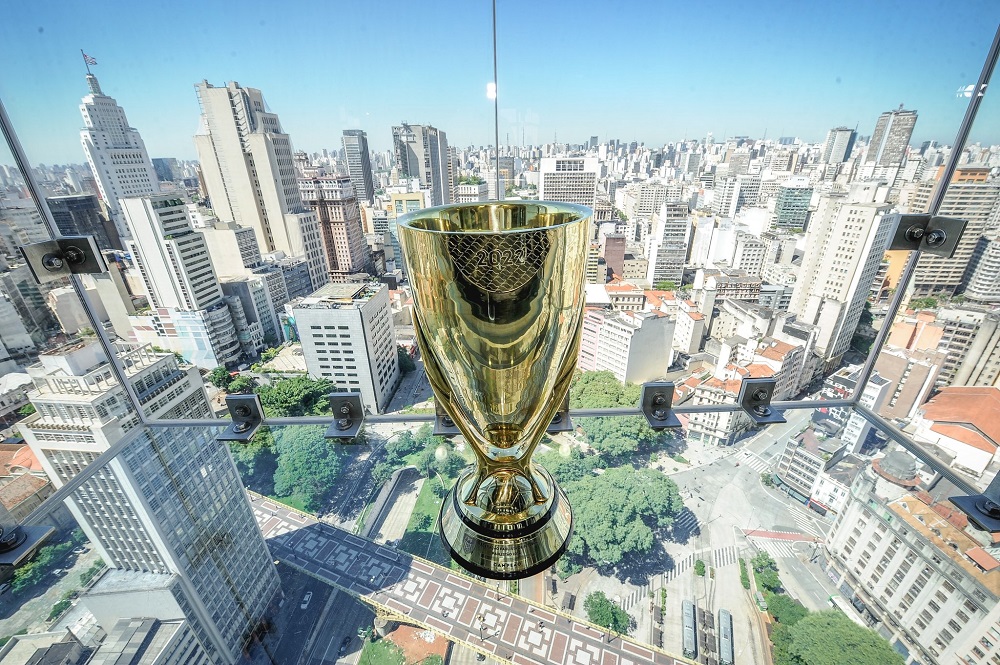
<point x="569" y="180"/>
<point x="115" y="152"/>
<point x="667" y="244"/>
<point x="845" y="244"/>
<point x="891" y="138"/>
<point x="154" y="508"/>
<point x="233" y="248"/>
<point x="838" y="145"/>
<point x="333" y="200"/>
<point x="804" y="457"/>
<point x="914" y="568"/>
<point x="976" y="202"/>
<point x="635" y="346"/>
<point x="81" y="215"/>
<point x="347" y="337"/>
<point x="984" y="270"/>
<point x="249" y="174"/>
<point x="735" y="193"/>
<point x="188" y="310"/>
<point x="421" y="152"/>
<point x="359" y="164"/>
<point x="718" y="429"/>
<point x="471" y="193"/>
<point x="791" y="207"/>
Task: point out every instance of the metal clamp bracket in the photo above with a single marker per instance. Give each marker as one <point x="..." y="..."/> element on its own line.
<point x="561" y="422"/>
<point x="933" y="235"/>
<point x="755" y="399"/>
<point x="247" y="414"/>
<point x="983" y="509"/>
<point x="51" y="260"/>
<point x="348" y="416"/>
<point x="655" y="403"/>
<point x="443" y="424"/>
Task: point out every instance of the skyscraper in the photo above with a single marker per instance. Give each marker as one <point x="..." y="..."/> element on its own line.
<point x="336" y="206"/>
<point x="845" y="244"/>
<point x="891" y="137"/>
<point x="80" y="214"/>
<point x="359" y="164"/>
<point x="791" y="208"/>
<point x="667" y="245"/>
<point x="249" y="172"/>
<point x="192" y="316"/>
<point x="838" y="145"/>
<point x="115" y="152"/>
<point x="421" y="152"/>
<point x="171" y="501"/>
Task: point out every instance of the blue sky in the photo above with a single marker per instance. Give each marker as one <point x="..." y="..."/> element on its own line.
<point x="652" y="72"/>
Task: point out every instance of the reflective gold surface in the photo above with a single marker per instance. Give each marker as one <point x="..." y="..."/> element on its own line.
<point x="498" y="293"/>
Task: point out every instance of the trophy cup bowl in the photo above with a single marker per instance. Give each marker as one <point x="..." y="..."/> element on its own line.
<point x="498" y="295"/>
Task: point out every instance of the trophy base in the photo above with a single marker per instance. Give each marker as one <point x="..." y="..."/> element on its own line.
<point x="506" y="551"/>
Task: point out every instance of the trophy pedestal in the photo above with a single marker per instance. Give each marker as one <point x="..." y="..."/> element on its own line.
<point x="511" y="547"/>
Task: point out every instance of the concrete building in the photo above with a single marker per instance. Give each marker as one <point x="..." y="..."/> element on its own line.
<point x="569" y="180"/>
<point x="81" y="215"/>
<point x="472" y="193"/>
<point x="642" y="199"/>
<point x="791" y="207"/>
<point x="891" y="138"/>
<point x="154" y="507"/>
<point x="838" y="145"/>
<point x="804" y="457"/>
<point x="718" y="429"/>
<point x="635" y="346"/>
<point x="911" y="375"/>
<point x="845" y="244"/>
<point x="347" y="337"/>
<point x="13" y="393"/>
<point x="421" y="152"/>
<point x="961" y="422"/>
<point x="968" y="335"/>
<point x="914" y="568"/>
<point x="115" y="152"/>
<point x="667" y="244"/>
<point x="233" y="248"/>
<point x="332" y="199"/>
<point x="984" y="270"/>
<point x="976" y="202"/>
<point x="359" y="164"/>
<point x="735" y="193"/>
<point x="150" y="642"/>
<point x="189" y="312"/>
<point x="249" y="174"/>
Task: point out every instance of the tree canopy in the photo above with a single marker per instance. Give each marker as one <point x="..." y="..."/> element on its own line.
<point x="614" y="437"/>
<point x="298" y="396"/>
<point x="406" y="364"/>
<point x="616" y="512"/>
<point x="605" y="613"/>
<point x="785" y="609"/>
<point x="567" y="469"/>
<point x="830" y="638"/>
<point x="308" y="464"/>
<point x="220" y="377"/>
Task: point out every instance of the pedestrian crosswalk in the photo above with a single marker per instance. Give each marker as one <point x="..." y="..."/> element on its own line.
<point x="805" y="524"/>
<point x="778" y="549"/>
<point x="724" y="556"/>
<point x="687" y="522"/>
<point x="634" y="597"/>
<point x="754" y="462"/>
<point x="679" y="567"/>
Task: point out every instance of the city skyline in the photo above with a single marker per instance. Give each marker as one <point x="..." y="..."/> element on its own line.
<point x="685" y="87"/>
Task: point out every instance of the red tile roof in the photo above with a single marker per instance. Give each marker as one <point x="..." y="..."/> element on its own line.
<point x="982" y="558"/>
<point x="20" y="489"/>
<point x="979" y="406"/>
<point x="965" y="435"/>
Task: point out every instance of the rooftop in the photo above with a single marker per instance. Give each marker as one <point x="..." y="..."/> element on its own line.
<point x="976" y="406"/>
<point x="21" y="488"/>
<point x="118" y="580"/>
<point x="337" y="295"/>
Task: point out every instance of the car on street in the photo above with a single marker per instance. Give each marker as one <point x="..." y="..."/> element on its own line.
<point x="59" y="571"/>
<point x="4" y="588"/>
<point x="344" y="644"/>
<point x="305" y="600"/>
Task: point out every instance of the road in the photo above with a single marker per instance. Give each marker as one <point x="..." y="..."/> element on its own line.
<point x="505" y="627"/>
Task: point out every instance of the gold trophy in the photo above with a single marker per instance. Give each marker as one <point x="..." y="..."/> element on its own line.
<point x="498" y="301"/>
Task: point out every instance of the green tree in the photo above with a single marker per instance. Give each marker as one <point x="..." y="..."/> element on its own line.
<point x="763" y="561"/>
<point x="308" y="465"/>
<point x="269" y="355"/>
<point x="402" y="445"/>
<point x="255" y="459"/>
<point x="26" y="410"/>
<point x="450" y="465"/>
<point x="830" y="638"/>
<point x="242" y="385"/>
<point x="406" y="364"/>
<point x="699" y="568"/>
<point x="297" y="396"/>
<point x="929" y="302"/>
<point x="785" y="609"/>
<point x="605" y="613"/>
<point x="617" y="511"/>
<point x="568" y="469"/>
<point x="220" y="377"/>
<point x="666" y="285"/>
<point x="614" y="437"/>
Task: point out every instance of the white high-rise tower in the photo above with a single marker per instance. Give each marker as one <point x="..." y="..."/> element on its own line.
<point x="115" y="152"/>
<point x="249" y="169"/>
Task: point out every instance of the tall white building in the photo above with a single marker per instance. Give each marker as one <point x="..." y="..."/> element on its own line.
<point x="192" y="315"/>
<point x="569" y="180"/>
<point x="667" y="245"/>
<point x="838" y="145"/>
<point x="115" y="152"/>
<point x="845" y="244"/>
<point x="421" y="152"/>
<point x="359" y="164"/>
<point x="634" y="346"/>
<point x="735" y="193"/>
<point x="347" y="337"/>
<point x="171" y="501"/>
<point x="248" y="166"/>
<point x="891" y="138"/>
